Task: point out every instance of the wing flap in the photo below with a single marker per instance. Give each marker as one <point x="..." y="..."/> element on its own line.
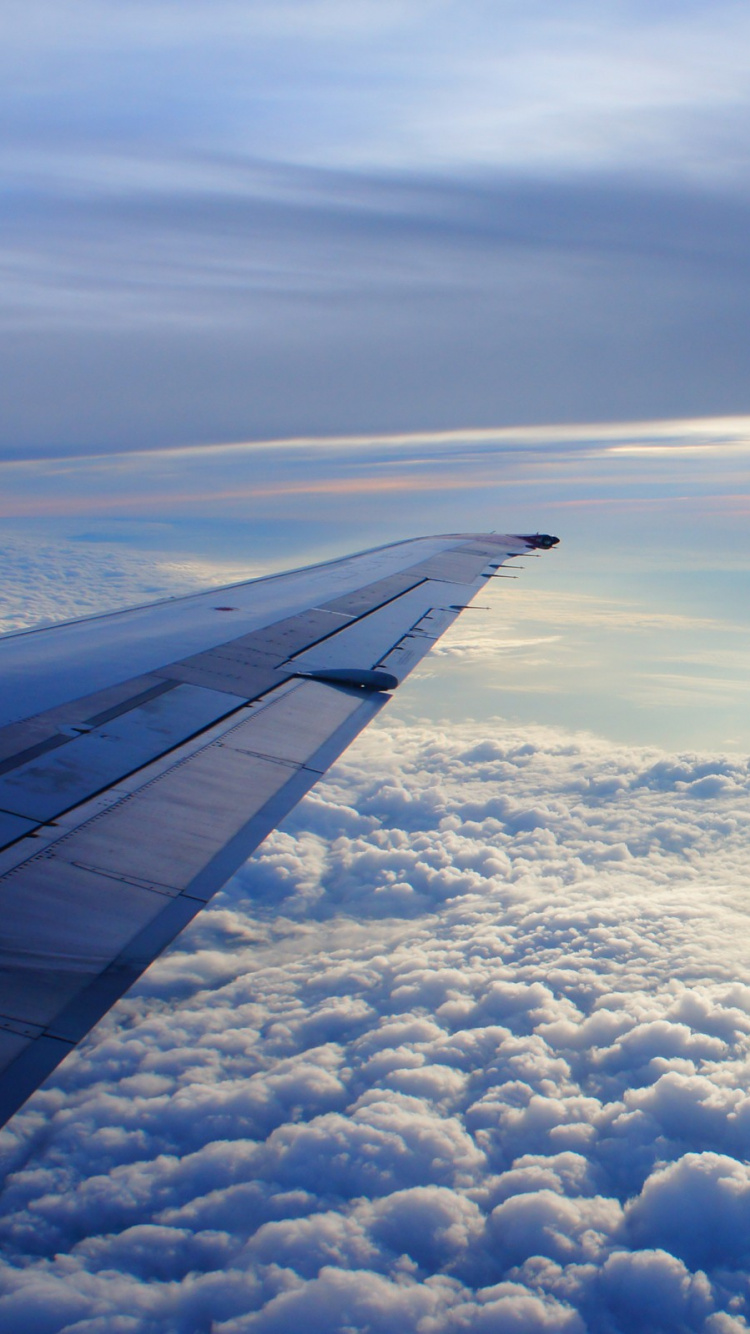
<point x="363" y="642"/>
<point x="248" y="674"/>
<point x="410" y="650"/>
<point x="456" y="567"/>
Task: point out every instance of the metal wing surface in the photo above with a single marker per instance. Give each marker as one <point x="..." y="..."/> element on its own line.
<point x="145" y="754"/>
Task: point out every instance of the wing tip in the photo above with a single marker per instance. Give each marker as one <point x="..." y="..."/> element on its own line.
<point x="543" y="540"/>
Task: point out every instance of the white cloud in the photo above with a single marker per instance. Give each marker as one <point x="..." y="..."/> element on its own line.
<point x="71" y="579"/>
<point x="465" y="1048"/>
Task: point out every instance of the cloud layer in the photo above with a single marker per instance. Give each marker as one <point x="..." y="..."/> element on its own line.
<point x="473" y="83"/>
<point x="465" y="1049"/>
<point x="251" y="301"/>
<point x="334" y="216"/>
<point x="49" y="580"/>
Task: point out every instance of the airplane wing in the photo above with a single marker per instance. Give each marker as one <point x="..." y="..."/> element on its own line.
<point x="145" y="754"/>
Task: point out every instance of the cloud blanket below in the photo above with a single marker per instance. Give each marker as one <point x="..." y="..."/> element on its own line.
<point x="465" y="1048"/>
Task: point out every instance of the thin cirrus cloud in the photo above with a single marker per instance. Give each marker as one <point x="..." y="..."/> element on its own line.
<point x="328" y="217"/>
<point x="300" y="301"/>
<point x="590" y="461"/>
<point x="466" y="1043"/>
<point x="684" y="435"/>
<point x="481" y="83"/>
<point x="169" y="500"/>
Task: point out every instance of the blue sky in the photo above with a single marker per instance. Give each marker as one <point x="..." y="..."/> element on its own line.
<point x="250" y="220"/>
<point x="465" y="1048"/>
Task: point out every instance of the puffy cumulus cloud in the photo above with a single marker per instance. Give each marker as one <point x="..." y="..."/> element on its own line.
<point x="699" y="1207"/>
<point x="465" y="1048"/>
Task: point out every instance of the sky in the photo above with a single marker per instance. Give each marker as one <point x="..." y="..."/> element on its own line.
<point x="249" y="220"/>
<point x="464" y="1049"/>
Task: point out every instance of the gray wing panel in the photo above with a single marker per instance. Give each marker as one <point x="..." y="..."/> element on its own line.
<point x="49" y="784"/>
<point x="82" y="917"/>
<point x="47" y="667"/>
<point x="55" y="760"/>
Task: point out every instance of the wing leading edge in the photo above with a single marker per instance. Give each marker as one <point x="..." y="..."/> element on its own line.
<point x="131" y="799"/>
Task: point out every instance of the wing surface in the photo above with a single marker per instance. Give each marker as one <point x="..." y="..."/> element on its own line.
<point x="145" y="754"/>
